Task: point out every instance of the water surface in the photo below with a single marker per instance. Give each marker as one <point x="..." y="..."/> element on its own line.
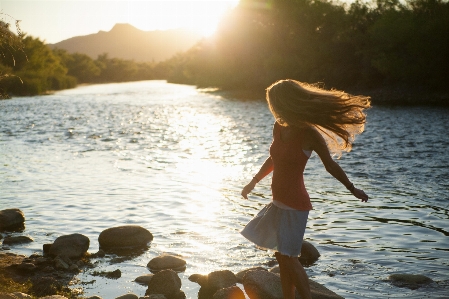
<point x="173" y="159"/>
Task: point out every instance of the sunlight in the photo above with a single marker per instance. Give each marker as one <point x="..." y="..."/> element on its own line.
<point x="200" y="16"/>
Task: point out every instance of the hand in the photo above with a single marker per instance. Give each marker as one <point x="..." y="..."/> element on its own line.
<point x="360" y="194"/>
<point x="247" y="189"/>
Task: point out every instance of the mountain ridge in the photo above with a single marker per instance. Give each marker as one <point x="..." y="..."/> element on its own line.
<point x="125" y="41"/>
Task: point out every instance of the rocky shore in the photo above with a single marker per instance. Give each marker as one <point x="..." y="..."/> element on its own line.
<point x="50" y="274"/>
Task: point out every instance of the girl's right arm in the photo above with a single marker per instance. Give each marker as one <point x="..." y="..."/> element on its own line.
<point x="265" y="169"/>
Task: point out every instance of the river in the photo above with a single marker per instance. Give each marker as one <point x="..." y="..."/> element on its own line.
<point x="173" y="159"/>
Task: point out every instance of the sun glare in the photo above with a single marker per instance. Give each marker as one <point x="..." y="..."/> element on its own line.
<point x="200" y="16"/>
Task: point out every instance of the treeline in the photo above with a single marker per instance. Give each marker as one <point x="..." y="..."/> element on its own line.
<point x="386" y="43"/>
<point x="378" y="44"/>
<point x="34" y="68"/>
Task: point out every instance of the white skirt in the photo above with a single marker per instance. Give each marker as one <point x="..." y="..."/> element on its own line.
<point x="277" y="229"/>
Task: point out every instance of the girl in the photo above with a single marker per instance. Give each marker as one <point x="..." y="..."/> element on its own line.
<point x="305" y="117"/>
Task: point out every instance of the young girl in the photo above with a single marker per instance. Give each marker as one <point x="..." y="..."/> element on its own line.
<point x="305" y="116"/>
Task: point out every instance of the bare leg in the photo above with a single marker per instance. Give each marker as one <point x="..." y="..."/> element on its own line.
<point x="288" y="288"/>
<point x="296" y="276"/>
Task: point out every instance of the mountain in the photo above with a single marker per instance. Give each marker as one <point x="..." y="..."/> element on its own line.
<point x="127" y="42"/>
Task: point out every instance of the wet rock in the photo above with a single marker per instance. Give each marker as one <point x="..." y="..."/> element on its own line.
<point x="262" y="284"/>
<point x="94" y="297"/>
<point x="165" y="282"/>
<point x="267" y="285"/>
<point x="128" y="296"/>
<point x="108" y="274"/>
<point x="243" y="272"/>
<point x="60" y="264"/>
<point x="17" y="240"/>
<point x="309" y="254"/>
<point x="100" y="253"/>
<point x="11" y="219"/>
<point x="72" y="246"/>
<point x="22" y="295"/>
<point x="275" y="269"/>
<point x="124" y="236"/>
<point x="214" y="281"/>
<point x="46" y="248"/>
<point x="54" y="297"/>
<point x="164" y="262"/>
<point x="410" y="281"/>
<point x="233" y="292"/>
<point x="144" y="279"/>
<point x="8" y="296"/>
<point x="154" y="296"/>
<point x="26" y="268"/>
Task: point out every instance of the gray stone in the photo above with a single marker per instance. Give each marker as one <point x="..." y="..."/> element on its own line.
<point x="164" y="262"/>
<point x="262" y="285"/>
<point x="11" y="219"/>
<point x="233" y="292"/>
<point x="410" y="281"/>
<point x="144" y="279"/>
<point x="124" y="237"/>
<point x="267" y="285"/>
<point x="71" y="246"/>
<point x="22" y="295"/>
<point x="309" y="254"/>
<point x="243" y="272"/>
<point x="17" y="240"/>
<point x="128" y="296"/>
<point x="165" y="282"/>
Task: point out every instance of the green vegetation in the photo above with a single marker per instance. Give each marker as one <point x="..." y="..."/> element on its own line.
<point x="376" y="45"/>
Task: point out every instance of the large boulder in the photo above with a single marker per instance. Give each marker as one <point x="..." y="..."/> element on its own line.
<point x="410" y="281"/>
<point x="262" y="285"/>
<point x="309" y="254"/>
<point x="71" y="246"/>
<point x="167" y="261"/>
<point x="11" y="219"/>
<point x="165" y="282"/>
<point x="267" y="285"/>
<point x="144" y="279"/>
<point x="242" y="273"/>
<point x="128" y="296"/>
<point x="127" y="236"/>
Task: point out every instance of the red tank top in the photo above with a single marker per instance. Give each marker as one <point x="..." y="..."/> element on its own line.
<point x="289" y="161"/>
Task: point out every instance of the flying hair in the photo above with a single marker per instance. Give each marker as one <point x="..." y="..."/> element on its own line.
<point x="339" y="116"/>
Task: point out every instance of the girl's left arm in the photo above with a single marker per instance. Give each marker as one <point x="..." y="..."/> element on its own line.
<point x="318" y="144"/>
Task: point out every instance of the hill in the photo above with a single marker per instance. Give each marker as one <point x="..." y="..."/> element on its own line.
<point x="127" y="42"/>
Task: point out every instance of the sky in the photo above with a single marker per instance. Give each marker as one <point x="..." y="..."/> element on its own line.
<point x="55" y="20"/>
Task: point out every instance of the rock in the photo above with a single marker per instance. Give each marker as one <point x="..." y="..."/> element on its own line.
<point x="128" y="296"/>
<point x="22" y="295"/>
<point x="108" y="274"/>
<point x="411" y="281"/>
<point x="46" y="248"/>
<point x="214" y="281"/>
<point x="74" y="268"/>
<point x="17" y="240"/>
<point x="26" y="268"/>
<point x="233" y="292"/>
<point x="155" y="296"/>
<point x="94" y="297"/>
<point x="99" y="253"/>
<point x="267" y="285"/>
<point x="262" y="284"/>
<point x="125" y="236"/>
<point x="144" y="279"/>
<point x="164" y="262"/>
<point x="275" y="269"/>
<point x="72" y="246"/>
<point x="165" y="282"/>
<point x="60" y="264"/>
<point x="243" y="272"/>
<point x="8" y="296"/>
<point x="11" y="219"/>
<point x="309" y="254"/>
<point x="54" y="297"/>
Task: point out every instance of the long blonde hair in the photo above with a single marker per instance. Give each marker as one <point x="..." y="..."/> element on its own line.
<point x="338" y="115"/>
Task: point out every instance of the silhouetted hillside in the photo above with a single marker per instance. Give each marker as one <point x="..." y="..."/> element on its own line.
<point x="127" y="42"/>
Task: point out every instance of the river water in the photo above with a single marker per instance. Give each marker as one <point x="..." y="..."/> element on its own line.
<point x="173" y="159"/>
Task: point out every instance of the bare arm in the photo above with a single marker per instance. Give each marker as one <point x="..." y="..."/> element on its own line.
<point x="265" y="169"/>
<point x="318" y="144"/>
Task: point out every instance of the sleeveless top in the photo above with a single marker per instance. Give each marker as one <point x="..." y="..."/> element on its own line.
<point x="289" y="161"/>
